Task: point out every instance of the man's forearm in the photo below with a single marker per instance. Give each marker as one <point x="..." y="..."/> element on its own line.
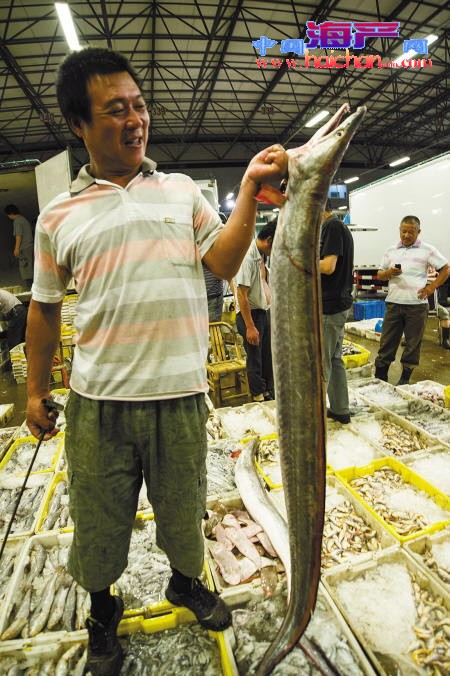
<point x="245" y="310"/>
<point x="441" y="277"/>
<point x="42" y="340"/>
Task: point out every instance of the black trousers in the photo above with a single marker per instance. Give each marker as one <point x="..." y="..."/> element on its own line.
<point x="408" y="319"/>
<point x="259" y="357"/>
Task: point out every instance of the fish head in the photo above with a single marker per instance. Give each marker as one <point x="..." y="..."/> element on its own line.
<point x="318" y="160"/>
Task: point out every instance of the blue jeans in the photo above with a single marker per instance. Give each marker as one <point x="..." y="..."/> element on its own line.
<point x="333" y="364"/>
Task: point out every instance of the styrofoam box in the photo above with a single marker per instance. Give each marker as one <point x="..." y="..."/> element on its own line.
<point x="332" y="577"/>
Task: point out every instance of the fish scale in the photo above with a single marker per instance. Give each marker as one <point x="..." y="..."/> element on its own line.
<point x="297" y="365"/>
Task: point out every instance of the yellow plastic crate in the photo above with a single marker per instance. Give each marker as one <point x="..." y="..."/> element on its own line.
<point x="410" y="477"/>
<point x="30" y="439"/>
<point x="352" y="361"/>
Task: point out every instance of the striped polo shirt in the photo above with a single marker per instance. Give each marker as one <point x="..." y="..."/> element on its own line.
<point x="414" y="260"/>
<point x="135" y="256"/>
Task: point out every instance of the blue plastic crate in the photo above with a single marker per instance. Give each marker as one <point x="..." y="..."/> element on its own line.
<point x="368" y="309"/>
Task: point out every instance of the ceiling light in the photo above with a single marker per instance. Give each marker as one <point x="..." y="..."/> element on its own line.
<point x="317" y="118"/>
<point x="401" y="160"/>
<point x="430" y="39"/>
<point x="352" y="179"/>
<point x="229" y="196"/>
<point x="275" y="210"/>
<point x="66" y="21"/>
<point x="344" y="207"/>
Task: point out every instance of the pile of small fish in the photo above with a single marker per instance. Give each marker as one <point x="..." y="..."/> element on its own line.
<point x="187" y="650"/>
<point x="357" y="405"/>
<point x="145" y="579"/>
<point x="7" y="565"/>
<point x="220" y="467"/>
<point x="214" y="426"/>
<point x="349" y="348"/>
<point x="432" y="419"/>
<point x="268" y="450"/>
<point x="249" y="420"/>
<point x="256" y="624"/>
<point x="20" y="459"/>
<point x="6" y="436"/>
<point x="345" y="533"/>
<point x="433" y="392"/>
<point x="399" y="440"/>
<point x="68" y="661"/>
<point x="58" y="512"/>
<point x="46" y="598"/>
<point x="431" y="650"/>
<point x="10" y="487"/>
<point x="396" y="501"/>
<point x="239" y="548"/>
<point x="437" y="558"/>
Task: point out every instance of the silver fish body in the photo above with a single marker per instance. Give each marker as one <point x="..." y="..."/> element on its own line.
<point x="297" y="362"/>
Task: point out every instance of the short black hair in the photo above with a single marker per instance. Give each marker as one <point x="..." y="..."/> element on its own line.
<point x="268" y="230"/>
<point x="413" y="220"/>
<point x="11" y="209"/>
<point x="75" y="73"/>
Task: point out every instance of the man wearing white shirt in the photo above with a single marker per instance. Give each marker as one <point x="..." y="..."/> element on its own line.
<point x="405" y="265"/>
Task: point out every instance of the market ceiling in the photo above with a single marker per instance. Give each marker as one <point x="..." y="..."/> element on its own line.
<point x="211" y="103"/>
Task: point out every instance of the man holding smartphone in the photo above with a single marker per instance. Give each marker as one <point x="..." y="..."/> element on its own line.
<point x="405" y="265"/>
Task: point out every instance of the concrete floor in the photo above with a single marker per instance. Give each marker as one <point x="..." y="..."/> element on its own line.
<point x="434" y="365"/>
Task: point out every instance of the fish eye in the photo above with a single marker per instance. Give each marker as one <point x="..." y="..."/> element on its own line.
<point x="339" y="133"/>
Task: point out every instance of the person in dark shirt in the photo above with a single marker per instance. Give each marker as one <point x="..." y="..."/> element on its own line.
<point x="336" y="268"/>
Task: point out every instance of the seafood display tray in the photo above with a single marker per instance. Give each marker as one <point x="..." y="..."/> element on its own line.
<point x="408" y="477"/>
<point x="430" y="441"/>
<point x="356" y="360"/>
<point x="268" y="415"/>
<point x="333" y="577"/>
<point x="400" y="401"/>
<point x="31" y="652"/>
<point x="48" y="541"/>
<point x="46" y="478"/>
<point x="417" y="547"/>
<point x="14" y="545"/>
<point x="358" y="372"/>
<point x="233" y="594"/>
<point x="416" y="389"/>
<point x="335" y="427"/>
<point x="15" y="446"/>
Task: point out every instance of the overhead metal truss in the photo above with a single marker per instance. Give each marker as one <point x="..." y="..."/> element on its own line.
<point x="210" y="103"/>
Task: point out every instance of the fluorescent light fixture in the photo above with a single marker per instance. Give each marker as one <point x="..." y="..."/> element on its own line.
<point x="66" y="21"/>
<point x="317" y="118"/>
<point x="343" y="207"/>
<point x="430" y="39"/>
<point x="275" y="210"/>
<point x="401" y="160"/>
<point x="230" y="196"/>
<point x="231" y="203"/>
<point x="352" y="179"/>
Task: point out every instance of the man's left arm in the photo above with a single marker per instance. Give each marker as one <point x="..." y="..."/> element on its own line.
<point x="431" y="287"/>
<point x="226" y="254"/>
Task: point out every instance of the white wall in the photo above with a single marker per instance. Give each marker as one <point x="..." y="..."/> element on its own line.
<point x="422" y="190"/>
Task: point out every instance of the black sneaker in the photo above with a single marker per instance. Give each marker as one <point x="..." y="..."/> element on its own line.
<point x="105" y="655"/>
<point x="343" y="418"/>
<point x="208" y="607"/>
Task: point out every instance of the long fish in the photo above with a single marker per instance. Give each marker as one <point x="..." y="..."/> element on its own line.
<point x="297" y="360"/>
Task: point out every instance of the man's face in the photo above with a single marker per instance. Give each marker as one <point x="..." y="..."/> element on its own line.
<point x="265" y="246"/>
<point x="408" y="233"/>
<point x="117" y="135"/>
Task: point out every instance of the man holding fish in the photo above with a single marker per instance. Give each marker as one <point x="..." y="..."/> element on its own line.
<point x="134" y="240"/>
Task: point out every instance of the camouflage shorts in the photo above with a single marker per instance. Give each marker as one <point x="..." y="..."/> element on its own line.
<point x="111" y="446"/>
